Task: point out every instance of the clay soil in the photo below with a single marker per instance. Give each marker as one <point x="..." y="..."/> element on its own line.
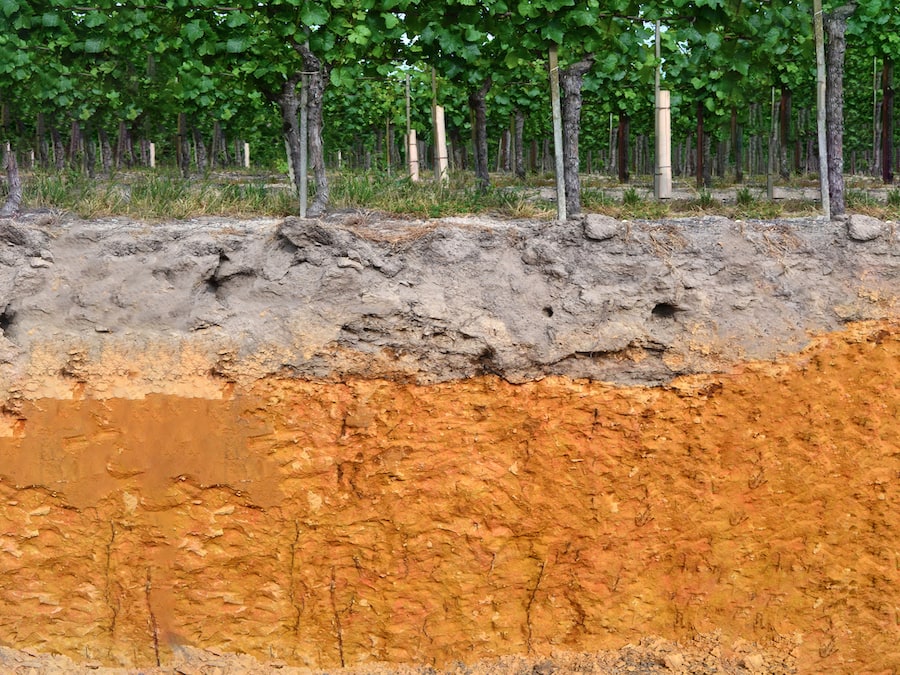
<point x="738" y="521"/>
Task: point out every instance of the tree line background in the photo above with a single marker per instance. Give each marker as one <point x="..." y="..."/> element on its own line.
<point x="87" y="86"/>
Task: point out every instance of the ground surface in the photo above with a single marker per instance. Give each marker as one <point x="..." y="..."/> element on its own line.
<point x="471" y="445"/>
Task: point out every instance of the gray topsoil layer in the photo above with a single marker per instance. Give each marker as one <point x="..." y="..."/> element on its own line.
<point x="361" y="294"/>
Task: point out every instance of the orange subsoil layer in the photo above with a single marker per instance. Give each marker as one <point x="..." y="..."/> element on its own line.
<point x="323" y="523"/>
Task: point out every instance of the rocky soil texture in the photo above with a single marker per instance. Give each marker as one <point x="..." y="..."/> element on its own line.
<point x="624" y="302"/>
<point x="455" y="446"/>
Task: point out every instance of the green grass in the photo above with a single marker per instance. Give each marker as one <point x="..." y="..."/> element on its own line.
<point x="426" y="199"/>
<point x="163" y="195"/>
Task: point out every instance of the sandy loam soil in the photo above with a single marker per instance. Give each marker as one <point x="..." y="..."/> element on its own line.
<point x="361" y="444"/>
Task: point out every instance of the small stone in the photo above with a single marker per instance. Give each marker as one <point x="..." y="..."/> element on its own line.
<point x="864" y="228"/>
<point x="754" y="661"/>
<point x="599" y="227"/>
<point x="674" y="661"/>
<point x="349" y="262"/>
<point x="39" y="262"/>
<point x="46" y="254"/>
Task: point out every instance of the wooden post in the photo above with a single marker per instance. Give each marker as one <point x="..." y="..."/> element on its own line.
<point x="663" y="182"/>
<point x="408" y="109"/>
<point x="819" y="29"/>
<point x="659" y="189"/>
<point x="557" y="134"/>
<point x="412" y="146"/>
<point x="152" y="155"/>
<point x="441" y="163"/>
<point x="246" y="155"/>
<point x="412" y="150"/>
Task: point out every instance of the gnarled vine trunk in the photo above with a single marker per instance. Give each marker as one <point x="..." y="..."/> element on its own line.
<point x="887" y="122"/>
<point x="14" y="198"/>
<point x="570" y="81"/>
<point x="43" y="148"/>
<point x="199" y="150"/>
<point x="785" y="166"/>
<point x="59" y="150"/>
<point x="289" y="104"/>
<point x="183" y="146"/>
<point x="622" y="148"/>
<point x="737" y="142"/>
<point x="315" y="83"/>
<point x="835" y="29"/>
<point x="477" y="102"/>
<point x="106" y="155"/>
<point x="519" y="134"/>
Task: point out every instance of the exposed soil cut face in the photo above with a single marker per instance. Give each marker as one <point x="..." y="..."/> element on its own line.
<point x="237" y="485"/>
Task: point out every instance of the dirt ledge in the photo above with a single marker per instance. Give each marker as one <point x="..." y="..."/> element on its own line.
<point x="195" y="305"/>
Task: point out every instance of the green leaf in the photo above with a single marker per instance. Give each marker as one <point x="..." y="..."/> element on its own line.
<point x="554" y="32"/>
<point x="193" y="31"/>
<point x="236" y="19"/>
<point x="528" y="10"/>
<point x="94" y="19"/>
<point x="9" y="6"/>
<point x="313" y="15"/>
<point x="713" y="41"/>
<point x="473" y="34"/>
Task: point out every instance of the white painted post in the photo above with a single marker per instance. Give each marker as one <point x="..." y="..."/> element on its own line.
<point x="663" y="182"/>
<point x="152" y="155"/>
<point x="412" y="150"/>
<point x="557" y="135"/>
<point x="246" y="155"/>
<point x="441" y="163"/>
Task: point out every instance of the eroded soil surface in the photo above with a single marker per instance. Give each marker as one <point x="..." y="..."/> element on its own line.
<point x="369" y="445"/>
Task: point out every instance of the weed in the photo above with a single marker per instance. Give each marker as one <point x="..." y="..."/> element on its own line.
<point x="744" y="197"/>
<point x="893" y="197"/>
<point x="705" y="200"/>
<point x="630" y="197"/>
<point x="592" y="198"/>
<point x="860" y="199"/>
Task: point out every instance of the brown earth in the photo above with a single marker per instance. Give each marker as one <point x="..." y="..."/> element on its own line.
<point x="326" y="524"/>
